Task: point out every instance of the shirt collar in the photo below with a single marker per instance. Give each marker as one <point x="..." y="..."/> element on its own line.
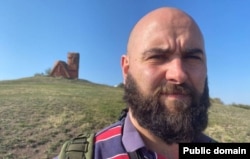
<point x="131" y="139"/>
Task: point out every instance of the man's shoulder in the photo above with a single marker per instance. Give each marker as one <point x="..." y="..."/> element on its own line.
<point x="108" y="142"/>
<point x="109" y="132"/>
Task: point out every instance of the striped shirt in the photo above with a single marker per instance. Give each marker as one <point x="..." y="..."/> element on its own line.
<point x="115" y="141"/>
<point x="120" y="138"/>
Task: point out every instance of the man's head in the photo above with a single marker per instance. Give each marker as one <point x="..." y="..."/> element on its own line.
<point x="165" y="75"/>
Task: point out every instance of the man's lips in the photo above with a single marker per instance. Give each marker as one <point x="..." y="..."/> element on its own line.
<point x="176" y="95"/>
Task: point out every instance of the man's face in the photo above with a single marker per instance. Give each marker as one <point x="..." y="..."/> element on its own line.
<point x="166" y="65"/>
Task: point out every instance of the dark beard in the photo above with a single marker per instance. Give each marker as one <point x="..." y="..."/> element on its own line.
<point x="172" y="127"/>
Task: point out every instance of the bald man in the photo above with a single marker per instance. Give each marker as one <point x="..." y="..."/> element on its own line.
<point x="166" y="90"/>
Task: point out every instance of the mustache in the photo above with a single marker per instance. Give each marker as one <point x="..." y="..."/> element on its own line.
<point x="168" y="88"/>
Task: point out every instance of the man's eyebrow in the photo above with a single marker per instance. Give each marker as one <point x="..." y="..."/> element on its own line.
<point x="193" y="51"/>
<point x="155" y="51"/>
<point x="162" y="51"/>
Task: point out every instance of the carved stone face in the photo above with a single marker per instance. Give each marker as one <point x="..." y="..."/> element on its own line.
<point x="73" y="60"/>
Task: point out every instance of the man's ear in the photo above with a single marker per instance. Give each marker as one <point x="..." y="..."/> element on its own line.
<point x="125" y="67"/>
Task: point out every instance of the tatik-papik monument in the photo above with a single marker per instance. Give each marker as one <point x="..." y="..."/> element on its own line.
<point x="68" y="70"/>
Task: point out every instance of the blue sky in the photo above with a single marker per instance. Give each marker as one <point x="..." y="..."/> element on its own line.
<point x="36" y="33"/>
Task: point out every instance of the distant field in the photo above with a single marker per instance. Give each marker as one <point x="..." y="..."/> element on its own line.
<point x="38" y="114"/>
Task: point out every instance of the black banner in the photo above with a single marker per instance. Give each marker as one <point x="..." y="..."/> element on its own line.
<point x="214" y="150"/>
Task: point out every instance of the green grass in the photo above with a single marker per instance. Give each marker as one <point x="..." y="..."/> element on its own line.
<point x="229" y="123"/>
<point x="38" y="114"/>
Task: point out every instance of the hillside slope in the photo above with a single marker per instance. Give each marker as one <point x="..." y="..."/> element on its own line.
<point x="38" y="114"/>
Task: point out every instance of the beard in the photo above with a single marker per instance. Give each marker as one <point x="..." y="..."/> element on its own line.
<point x="188" y="120"/>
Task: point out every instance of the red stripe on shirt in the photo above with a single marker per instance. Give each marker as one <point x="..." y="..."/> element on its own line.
<point x="121" y="156"/>
<point x="109" y="134"/>
<point x="160" y="156"/>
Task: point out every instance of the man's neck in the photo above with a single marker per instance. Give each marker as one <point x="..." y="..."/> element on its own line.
<point x="154" y="143"/>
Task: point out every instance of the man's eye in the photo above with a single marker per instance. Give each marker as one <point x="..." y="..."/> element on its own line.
<point x="193" y="57"/>
<point x="157" y="57"/>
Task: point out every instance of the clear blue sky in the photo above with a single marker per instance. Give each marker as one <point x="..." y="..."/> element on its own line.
<point x="36" y="33"/>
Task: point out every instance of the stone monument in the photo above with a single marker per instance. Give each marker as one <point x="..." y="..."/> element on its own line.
<point x="67" y="70"/>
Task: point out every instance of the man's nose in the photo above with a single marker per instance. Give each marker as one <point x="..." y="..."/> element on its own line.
<point x="176" y="72"/>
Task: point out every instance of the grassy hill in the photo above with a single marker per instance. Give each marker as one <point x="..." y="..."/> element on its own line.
<point x="38" y="114"/>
